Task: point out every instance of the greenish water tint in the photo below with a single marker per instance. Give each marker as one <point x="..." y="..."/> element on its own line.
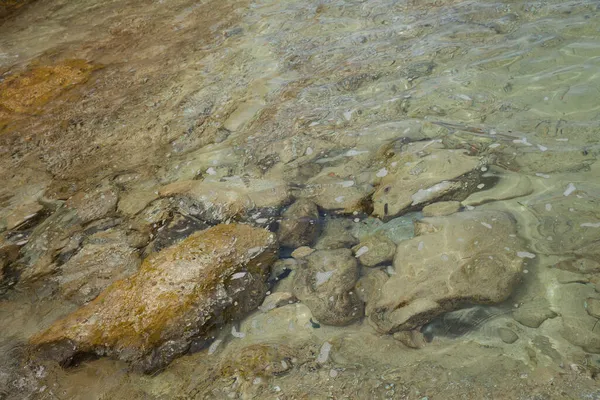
<point x="430" y="169"/>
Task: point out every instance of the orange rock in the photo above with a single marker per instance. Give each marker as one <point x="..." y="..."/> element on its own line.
<point x="177" y="296"/>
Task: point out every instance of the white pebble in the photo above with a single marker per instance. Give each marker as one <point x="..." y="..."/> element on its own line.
<point x="525" y="254"/>
<point x="570" y="189"/>
<point x="333" y="373"/>
<point x="421" y="245"/>
<point x="237" y="334"/>
<point x="494" y="145"/>
<point x="590" y="225"/>
<point x="381" y="173"/>
<point x="339" y="199"/>
<point x="362" y="251"/>
<point x="211" y="171"/>
<point x="213" y="347"/>
<point x="238" y="275"/>
<point x="309" y="151"/>
<point x="483" y="169"/>
<point x="542" y="148"/>
<point x="324" y="353"/>
<point x="525" y="271"/>
<point x="323" y="277"/>
<point x="486" y="225"/>
<point x="481" y="186"/>
<point x="548" y="207"/>
<point x="546" y="176"/>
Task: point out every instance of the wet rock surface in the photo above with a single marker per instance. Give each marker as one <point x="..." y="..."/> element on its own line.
<point x="375" y="250"/>
<point x="326" y="286"/>
<point x="95" y="267"/>
<point x="299" y="224"/>
<point x="215" y="201"/>
<point x="177" y="296"/>
<point x="452" y="260"/>
<point x="422" y="174"/>
<point x="180" y="115"/>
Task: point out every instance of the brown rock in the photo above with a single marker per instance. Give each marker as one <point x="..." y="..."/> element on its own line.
<point x="326" y="286"/>
<point x="177" y="296"/>
<point x="299" y="224"/>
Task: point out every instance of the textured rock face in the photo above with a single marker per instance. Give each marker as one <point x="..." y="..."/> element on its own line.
<point x="467" y="257"/>
<point x="177" y="296"/>
<point x="326" y="286"/>
<point x="420" y="176"/>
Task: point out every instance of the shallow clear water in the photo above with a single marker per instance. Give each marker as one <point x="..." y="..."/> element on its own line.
<point x="440" y="157"/>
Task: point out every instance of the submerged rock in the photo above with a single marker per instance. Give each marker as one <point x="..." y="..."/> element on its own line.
<point x="94" y="204"/>
<point x="508" y="336"/>
<point x="469" y="257"/>
<point x="569" y="221"/>
<point x="336" y="234"/>
<point x="533" y="314"/>
<point x="299" y="224"/>
<point x="177" y="229"/>
<point x="440" y="209"/>
<point x="258" y="360"/>
<point x="375" y="250"/>
<point x="218" y="201"/>
<point x="95" y="267"/>
<point x="177" y="296"/>
<point x="510" y="185"/>
<point x="326" y="286"/>
<point x="421" y="175"/>
<point x="579" y="326"/>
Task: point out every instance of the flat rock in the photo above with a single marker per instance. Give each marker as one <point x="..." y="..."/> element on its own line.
<point x="397" y="229"/>
<point x="509" y="185"/>
<point x="94" y="203"/>
<point x="21" y="214"/>
<point x="577" y="323"/>
<point x="534" y="313"/>
<point x="178" y="296"/>
<point x="441" y="208"/>
<point x="466" y="257"/>
<point x="579" y="265"/>
<point x="338" y="195"/>
<point x="299" y="224"/>
<point x="326" y="285"/>
<point x="568" y="222"/>
<point x="421" y="175"/>
<point x="217" y="200"/>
